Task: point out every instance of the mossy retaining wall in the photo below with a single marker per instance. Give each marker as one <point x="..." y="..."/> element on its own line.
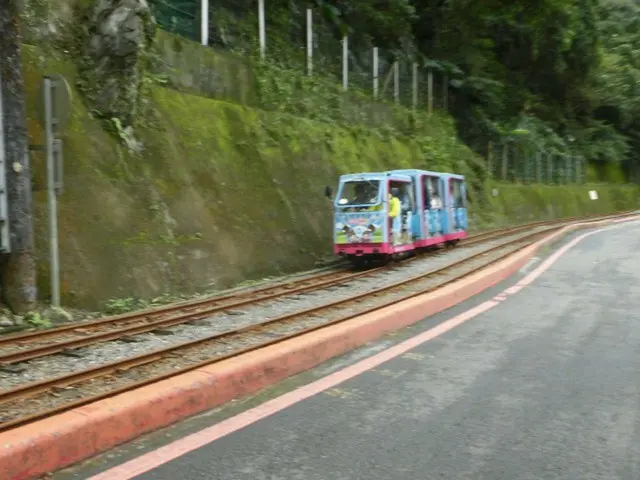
<point x="223" y="193"/>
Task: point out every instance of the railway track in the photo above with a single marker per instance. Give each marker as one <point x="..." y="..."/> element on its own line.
<point x="35" y="400"/>
<point x="481" y="236"/>
<point x="71" y="337"/>
<point x="78" y="334"/>
<point x="68" y="339"/>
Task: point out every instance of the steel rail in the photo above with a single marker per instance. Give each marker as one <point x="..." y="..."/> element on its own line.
<point x="211" y="305"/>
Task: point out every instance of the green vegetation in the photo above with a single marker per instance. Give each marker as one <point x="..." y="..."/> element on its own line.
<point x="553" y="75"/>
<point x="235" y="153"/>
<point x="520" y="203"/>
<point x="37" y="320"/>
<point x="221" y="193"/>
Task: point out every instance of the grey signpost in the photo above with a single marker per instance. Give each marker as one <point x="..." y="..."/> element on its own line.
<point x="57" y="103"/>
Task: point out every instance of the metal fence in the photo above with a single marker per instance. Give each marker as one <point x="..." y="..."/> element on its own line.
<point x="304" y="40"/>
<point x="178" y="16"/>
<point x="301" y="38"/>
<point x="518" y="162"/>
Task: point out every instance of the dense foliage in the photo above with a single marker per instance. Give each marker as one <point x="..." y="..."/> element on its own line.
<point x="565" y="71"/>
<point x="562" y="74"/>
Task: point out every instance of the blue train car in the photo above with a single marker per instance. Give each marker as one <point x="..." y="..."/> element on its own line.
<point x="440" y="214"/>
<point x="378" y="215"/>
<point x="364" y="226"/>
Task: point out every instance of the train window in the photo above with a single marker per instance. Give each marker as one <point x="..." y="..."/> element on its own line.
<point x="456" y="193"/>
<point x="426" y="193"/>
<point x="363" y="192"/>
<point x="404" y="193"/>
<point x="432" y="192"/>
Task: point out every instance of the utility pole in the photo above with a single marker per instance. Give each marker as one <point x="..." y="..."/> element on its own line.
<point x="56" y="96"/>
<point x="17" y="267"/>
<point x="5" y="241"/>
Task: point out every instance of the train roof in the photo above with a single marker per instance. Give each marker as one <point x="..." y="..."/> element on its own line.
<point x="375" y="176"/>
<point x="416" y="171"/>
<point x="453" y="175"/>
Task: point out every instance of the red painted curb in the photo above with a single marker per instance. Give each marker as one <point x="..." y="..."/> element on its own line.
<point x="60" y="441"/>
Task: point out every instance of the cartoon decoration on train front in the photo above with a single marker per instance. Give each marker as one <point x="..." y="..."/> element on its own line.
<point x="359" y="234"/>
<point x="359" y="229"/>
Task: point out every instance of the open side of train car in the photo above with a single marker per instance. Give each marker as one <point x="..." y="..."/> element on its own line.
<point x="384" y="214"/>
<point x="440" y="214"/>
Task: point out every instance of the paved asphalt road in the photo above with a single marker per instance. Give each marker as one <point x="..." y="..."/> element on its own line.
<point x="544" y="386"/>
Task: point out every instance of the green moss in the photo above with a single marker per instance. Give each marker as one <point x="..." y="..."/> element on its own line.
<point x="223" y="193"/>
<point x="190" y="67"/>
<point x="520" y="203"/>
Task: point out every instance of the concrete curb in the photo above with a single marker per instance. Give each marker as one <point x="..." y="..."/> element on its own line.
<point x="53" y="443"/>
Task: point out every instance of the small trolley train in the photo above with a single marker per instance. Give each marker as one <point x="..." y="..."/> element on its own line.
<point x="382" y="215"/>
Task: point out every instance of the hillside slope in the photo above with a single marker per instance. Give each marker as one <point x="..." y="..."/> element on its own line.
<point x="221" y="193"/>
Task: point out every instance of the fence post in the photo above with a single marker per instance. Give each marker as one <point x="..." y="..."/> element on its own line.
<point x="396" y="81"/>
<point x="505" y="160"/>
<point x="519" y="155"/>
<point x="375" y="72"/>
<point x="415" y="85"/>
<point x="445" y="91"/>
<point x="309" y="41"/>
<point x="262" y="29"/>
<point x="345" y="63"/>
<point x="204" y="22"/>
<point x="430" y="90"/>
<point x="525" y="171"/>
<point x="578" y="169"/>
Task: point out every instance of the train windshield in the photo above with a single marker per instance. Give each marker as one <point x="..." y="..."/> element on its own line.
<point x="359" y="193"/>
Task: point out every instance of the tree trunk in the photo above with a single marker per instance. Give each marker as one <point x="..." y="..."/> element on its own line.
<point x="18" y="272"/>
